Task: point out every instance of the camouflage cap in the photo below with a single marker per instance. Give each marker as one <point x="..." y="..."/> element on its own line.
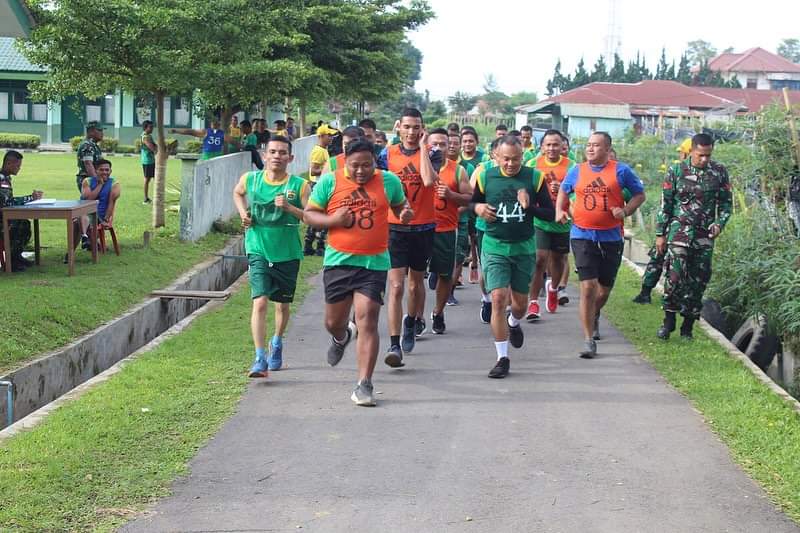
<point x="93" y="125"/>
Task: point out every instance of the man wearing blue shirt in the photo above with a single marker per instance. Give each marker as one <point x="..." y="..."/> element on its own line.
<point x="596" y="237"/>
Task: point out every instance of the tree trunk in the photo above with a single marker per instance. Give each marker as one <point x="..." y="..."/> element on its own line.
<point x="302" y="118"/>
<point x="225" y="122"/>
<point x="159" y="219"/>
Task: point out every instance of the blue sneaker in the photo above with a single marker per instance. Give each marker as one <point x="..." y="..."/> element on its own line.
<point x="275" y="359"/>
<point x="408" y="336"/>
<point x="259" y="369"/>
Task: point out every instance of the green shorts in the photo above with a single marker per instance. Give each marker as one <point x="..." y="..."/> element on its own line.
<point x="443" y="258"/>
<point x="500" y="271"/>
<point x="462" y="242"/>
<point x="276" y="281"/>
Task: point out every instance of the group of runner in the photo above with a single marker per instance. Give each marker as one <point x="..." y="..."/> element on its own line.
<point x="409" y="210"/>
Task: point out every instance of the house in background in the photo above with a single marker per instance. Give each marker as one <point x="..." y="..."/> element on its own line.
<point x="15" y="19"/>
<point x="757" y="68"/>
<point x="648" y="106"/>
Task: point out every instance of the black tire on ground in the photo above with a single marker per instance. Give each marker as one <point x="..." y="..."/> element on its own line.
<point x="753" y="340"/>
<point x="715" y="316"/>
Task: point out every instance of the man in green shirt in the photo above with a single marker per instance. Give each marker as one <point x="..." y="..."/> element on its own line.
<point x="353" y="203"/>
<point x="530" y="150"/>
<point x="270" y="203"/>
<point x="507" y="197"/>
<point x="147" y="153"/>
<point x="249" y="143"/>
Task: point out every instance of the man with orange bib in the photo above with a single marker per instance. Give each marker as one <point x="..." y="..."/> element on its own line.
<point x="354" y="204"/>
<point x="410" y="244"/>
<point x="452" y="192"/>
<point x="596" y="235"/>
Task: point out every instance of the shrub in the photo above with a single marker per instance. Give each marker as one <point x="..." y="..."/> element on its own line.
<point x="193" y="146"/>
<point x="172" y="145"/>
<point x="108" y="145"/>
<point x="19" y="140"/>
<point x="126" y="149"/>
<point x="74" y="142"/>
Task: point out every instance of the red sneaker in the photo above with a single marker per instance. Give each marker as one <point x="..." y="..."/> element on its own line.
<point x="552" y="297"/>
<point x="533" y="311"/>
<point x="473" y="274"/>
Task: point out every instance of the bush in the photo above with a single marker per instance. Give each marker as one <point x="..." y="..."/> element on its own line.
<point x="19" y="140"/>
<point x="74" y="142"/>
<point x="127" y="149"/>
<point x="193" y="146"/>
<point x="172" y="145"/>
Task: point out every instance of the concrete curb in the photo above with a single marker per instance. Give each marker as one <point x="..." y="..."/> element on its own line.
<point x="731" y="350"/>
<point x="34" y="419"/>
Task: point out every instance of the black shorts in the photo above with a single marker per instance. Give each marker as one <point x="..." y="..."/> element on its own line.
<point x="342" y="281"/>
<point x="411" y="249"/>
<point x="149" y="170"/>
<point x="552" y="241"/>
<point x="597" y="260"/>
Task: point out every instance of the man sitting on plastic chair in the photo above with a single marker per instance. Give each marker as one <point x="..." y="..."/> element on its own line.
<point x="106" y="191"/>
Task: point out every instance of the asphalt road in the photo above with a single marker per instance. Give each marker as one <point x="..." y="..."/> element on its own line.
<point x="562" y="444"/>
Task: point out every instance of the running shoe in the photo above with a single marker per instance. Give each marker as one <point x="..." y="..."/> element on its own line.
<point x="451" y="300"/>
<point x="533" y="311"/>
<point x="407" y="337"/>
<point x="563" y="297"/>
<point x="259" y="369"/>
<point x="336" y="350"/>
<point x="362" y="394"/>
<point x="85" y="243"/>
<point x="589" y="349"/>
<point x="551" y="304"/>
<point x="486" y="312"/>
<point x="515" y="336"/>
<point x="500" y="370"/>
<point x="473" y="274"/>
<point x="432" y="281"/>
<point x="394" y="357"/>
<point x="437" y="323"/>
<point x="596" y="331"/>
<point x="419" y="327"/>
<point x="275" y="359"/>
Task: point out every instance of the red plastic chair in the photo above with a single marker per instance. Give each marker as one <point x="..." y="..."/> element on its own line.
<point x="100" y="231"/>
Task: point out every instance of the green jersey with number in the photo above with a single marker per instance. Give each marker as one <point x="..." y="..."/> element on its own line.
<point x="274" y="233"/>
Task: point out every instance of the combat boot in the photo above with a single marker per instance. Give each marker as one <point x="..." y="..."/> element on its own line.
<point x="667" y="327"/>
<point x="643" y="297"/>
<point x="686" y="327"/>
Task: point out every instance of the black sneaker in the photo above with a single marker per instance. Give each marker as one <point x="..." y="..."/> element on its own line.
<point x="407" y="337"/>
<point x="596" y="331"/>
<point x="589" y="349"/>
<point x="419" y="327"/>
<point x="433" y="280"/>
<point x="642" y="298"/>
<point x="486" y="312"/>
<point x="515" y="336"/>
<point x="394" y="357"/>
<point x="85" y="243"/>
<point x="437" y="323"/>
<point x="500" y="370"/>
<point x="308" y="251"/>
<point x="336" y="350"/>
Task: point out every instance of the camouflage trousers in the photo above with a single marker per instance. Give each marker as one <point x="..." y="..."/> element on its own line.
<point x="20" y="235"/>
<point x="652" y="272"/>
<point x="688" y="274"/>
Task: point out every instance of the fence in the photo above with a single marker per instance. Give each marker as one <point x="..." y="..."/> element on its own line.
<point x="207" y="186"/>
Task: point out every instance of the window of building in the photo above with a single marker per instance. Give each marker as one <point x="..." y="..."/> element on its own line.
<point x="792" y="85"/>
<point x="39" y="112"/>
<point x="109" y="109"/>
<point x="183" y="111"/>
<point x="3" y="106"/>
<point x="752" y="83"/>
<point x="20" y="107"/>
<point x="177" y="110"/>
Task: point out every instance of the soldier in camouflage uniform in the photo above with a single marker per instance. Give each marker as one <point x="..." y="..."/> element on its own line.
<point x="19" y="230"/>
<point x="89" y="154"/>
<point x="696" y="205"/>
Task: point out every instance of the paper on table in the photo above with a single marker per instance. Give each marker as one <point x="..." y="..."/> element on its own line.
<point x="43" y="201"/>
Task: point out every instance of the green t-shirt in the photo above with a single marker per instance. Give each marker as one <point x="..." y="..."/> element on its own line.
<point x="512" y="232"/>
<point x="146" y="154"/>
<point x="471" y="164"/>
<point x="274" y="233"/>
<point x="321" y="195"/>
<point x="250" y="141"/>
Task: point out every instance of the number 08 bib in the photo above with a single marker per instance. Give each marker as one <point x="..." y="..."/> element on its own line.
<point x="367" y="231"/>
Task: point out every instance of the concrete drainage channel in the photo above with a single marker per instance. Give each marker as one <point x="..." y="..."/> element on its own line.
<point x="47" y="378"/>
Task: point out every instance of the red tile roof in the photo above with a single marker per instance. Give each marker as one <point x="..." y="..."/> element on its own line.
<point x="753" y="60"/>
<point x="752" y="99"/>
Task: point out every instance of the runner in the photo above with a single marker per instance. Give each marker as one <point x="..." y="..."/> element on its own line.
<point x="270" y="203"/>
<point x="596" y="235"/>
<point x="528" y="144"/>
<point x="410" y="244"/>
<point x="501" y="130"/>
<point x="552" y="238"/>
<point x="471" y="157"/>
<point x="452" y="192"/>
<point x="349" y="134"/>
<point x="462" y="236"/>
<point x="318" y="160"/>
<point x="354" y="203"/>
<point x="507" y="197"/>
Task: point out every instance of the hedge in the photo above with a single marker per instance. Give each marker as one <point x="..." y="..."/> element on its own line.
<point x="19" y="140"/>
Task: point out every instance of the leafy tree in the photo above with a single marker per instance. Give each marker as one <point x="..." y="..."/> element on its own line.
<point x="600" y="71"/>
<point x="699" y="51"/>
<point x="462" y="102"/>
<point x="684" y="74"/>
<point x="670" y="75"/>
<point x="734" y="82"/>
<point x="790" y="49"/>
<point x="581" y="77"/>
<point x="617" y="72"/>
<point x="555" y="84"/>
<point x="522" y="98"/>
<point x="662" y="68"/>
<point x="435" y="109"/>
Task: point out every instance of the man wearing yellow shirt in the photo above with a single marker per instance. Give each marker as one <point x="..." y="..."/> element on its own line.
<point x="319" y="157"/>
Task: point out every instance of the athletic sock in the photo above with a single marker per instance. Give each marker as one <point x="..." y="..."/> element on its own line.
<point x="485" y="298"/>
<point x="502" y="349"/>
<point x="512" y="320"/>
<point x="261" y="353"/>
<point x="394" y="340"/>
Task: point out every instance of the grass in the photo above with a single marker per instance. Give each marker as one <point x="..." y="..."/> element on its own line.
<point x="43" y="308"/>
<point x="760" y="429"/>
<point x="98" y="460"/>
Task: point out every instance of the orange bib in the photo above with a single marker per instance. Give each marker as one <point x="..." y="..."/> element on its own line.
<point x="552" y="174"/>
<point x="447" y="210"/>
<point x="596" y="194"/>
<point x="419" y="197"/>
<point x="367" y="233"/>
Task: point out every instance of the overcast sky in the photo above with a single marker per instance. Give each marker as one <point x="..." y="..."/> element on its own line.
<point x="520" y="41"/>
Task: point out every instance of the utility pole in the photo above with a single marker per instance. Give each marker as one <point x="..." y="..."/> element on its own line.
<point x="613" y="32"/>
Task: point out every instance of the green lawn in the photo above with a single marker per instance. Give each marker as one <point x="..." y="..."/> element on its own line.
<point x="761" y="429"/>
<point x="43" y="308"/>
<point x="98" y="460"/>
